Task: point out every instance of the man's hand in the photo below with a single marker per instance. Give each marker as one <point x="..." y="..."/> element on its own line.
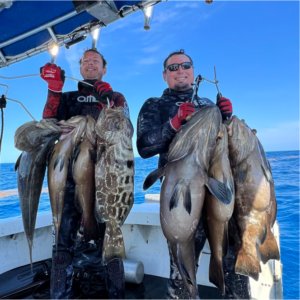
<point x="102" y="90"/>
<point x="184" y="110"/>
<point x="54" y="76"/>
<point x="225" y="107"/>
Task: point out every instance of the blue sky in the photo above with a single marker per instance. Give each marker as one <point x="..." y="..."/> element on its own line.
<point x="253" y="44"/>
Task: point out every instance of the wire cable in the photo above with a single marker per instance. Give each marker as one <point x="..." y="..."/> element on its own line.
<point x="30" y="75"/>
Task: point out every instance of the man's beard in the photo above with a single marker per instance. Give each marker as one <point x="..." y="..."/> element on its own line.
<point x="181" y="87"/>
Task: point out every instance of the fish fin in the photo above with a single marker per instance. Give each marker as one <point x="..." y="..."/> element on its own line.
<point x="242" y="173"/>
<point x="56" y="162"/>
<point x="269" y="249"/>
<point x="181" y="188"/>
<point x="62" y="163"/>
<point x="93" y="156"/>
<point x="18" y="162"/>
<point x="152" y="177"/>
<point x="187" y="199"/>
<point x="76" y="152"/>
<point x="265" y="163"/>
<point x="220" y="191"/>
<point x="216" y="274"/>
<point x="264" y="233"/>
<point x="267" y="174"/>
<point x="49" y="157"/>
<point x="100" y="151"/>
<point x="175" y="197"/>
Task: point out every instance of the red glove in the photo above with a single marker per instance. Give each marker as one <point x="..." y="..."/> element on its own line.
<point x="184" y="110"/>
<point x="102" y="90"/>
<point x="54" y="76"/>
<point x="225" y="107"/>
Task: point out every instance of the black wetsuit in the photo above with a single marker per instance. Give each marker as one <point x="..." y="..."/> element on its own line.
<point x="154" y="135"/>
<point x="154" y="130"/>
<point x="63" y="106"/>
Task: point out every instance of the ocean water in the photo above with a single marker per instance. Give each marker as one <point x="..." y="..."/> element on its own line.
<point x="285" y="169"/>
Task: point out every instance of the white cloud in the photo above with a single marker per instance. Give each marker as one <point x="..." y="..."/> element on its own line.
<point x="187" y="4"/>
<point x="285" y="136"/>
<point x="162" y="17"/>
<point x="151" y="49"/>
<point x="147" y="61"/>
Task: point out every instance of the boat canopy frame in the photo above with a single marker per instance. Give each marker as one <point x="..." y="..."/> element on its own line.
<point x="68" y="22"/>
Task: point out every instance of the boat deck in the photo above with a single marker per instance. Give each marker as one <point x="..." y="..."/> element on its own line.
<point x="152" y="287"/>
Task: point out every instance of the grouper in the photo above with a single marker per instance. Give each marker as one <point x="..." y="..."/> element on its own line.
<point x="184" y="187"/>
<point x="255" y="203"/>
<point x="84" y="178"/>
<point x="35" y="139"/>
<point x="72" y="132"/>
<point x="114" y="174"/>
<point x="217" y="214"/>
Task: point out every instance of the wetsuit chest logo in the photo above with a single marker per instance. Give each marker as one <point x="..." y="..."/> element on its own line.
<point x="87" y="99"/>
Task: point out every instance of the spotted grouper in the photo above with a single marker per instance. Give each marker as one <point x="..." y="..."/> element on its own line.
<point x="114" y="173"/>
<point x="255" y="203"/>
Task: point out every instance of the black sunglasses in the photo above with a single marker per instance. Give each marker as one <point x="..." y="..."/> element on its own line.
<point x="175" y="67"/>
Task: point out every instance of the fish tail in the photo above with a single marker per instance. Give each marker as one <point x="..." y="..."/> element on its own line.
<point x="90" y="229"/>
<point x="113" y="245"/>
<point x="185" y="272"/>
<point x="189" y="276"/>
<point x="184" y="189"/>
<point x="269" y="249"/>
<point x="225" y="239"/>
<point x="247" y="264"/>
<point x="181" y="264"/>
<point x="30" y="242"/>
<point x="56" y="236"/>
<point x="216" y="275"/>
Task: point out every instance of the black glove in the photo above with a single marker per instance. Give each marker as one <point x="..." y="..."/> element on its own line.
<point x="102" y="91"/>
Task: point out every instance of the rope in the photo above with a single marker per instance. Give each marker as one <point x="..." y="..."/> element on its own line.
<point x="30" y="75"/>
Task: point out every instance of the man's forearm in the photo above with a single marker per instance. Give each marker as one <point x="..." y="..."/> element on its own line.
<point x="155" y="141"/>
<point x="51" y="106"/>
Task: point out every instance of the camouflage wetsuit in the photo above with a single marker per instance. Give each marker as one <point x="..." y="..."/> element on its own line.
<point x="154" y="135"/>
<point x="63" y="106"/>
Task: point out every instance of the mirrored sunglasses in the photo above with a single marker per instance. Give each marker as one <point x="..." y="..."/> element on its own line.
<point x="175" y="67"/>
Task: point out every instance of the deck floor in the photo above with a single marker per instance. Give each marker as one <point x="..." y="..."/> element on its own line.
<point x="152" y="287"/>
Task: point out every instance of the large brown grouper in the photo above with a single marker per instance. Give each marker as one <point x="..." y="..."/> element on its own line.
<point x="114" y="174"/>
<point x="184" y="187"/>
<point x="217" y="214"/>
<point x="84" y="178"/>
<point x="35" y="139"/>
<point x="72" y="131"/>
<point x="255" y="203"/>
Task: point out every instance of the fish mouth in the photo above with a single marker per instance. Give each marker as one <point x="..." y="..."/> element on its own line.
<point x="65" y="130"/>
